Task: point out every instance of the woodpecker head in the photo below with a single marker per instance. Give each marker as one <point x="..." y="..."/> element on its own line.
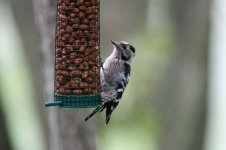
<point x="124" y="50"/>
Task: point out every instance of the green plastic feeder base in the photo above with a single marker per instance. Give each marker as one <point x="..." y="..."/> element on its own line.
<point x="75" y="101"/>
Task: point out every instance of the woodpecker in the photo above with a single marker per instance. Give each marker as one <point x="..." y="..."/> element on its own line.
<point x="115" y="75"/>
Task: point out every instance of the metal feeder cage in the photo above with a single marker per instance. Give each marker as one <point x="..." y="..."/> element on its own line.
<point x="77" y="54"/>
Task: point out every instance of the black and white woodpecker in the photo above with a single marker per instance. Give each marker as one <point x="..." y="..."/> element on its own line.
<point x="115" y="74"/>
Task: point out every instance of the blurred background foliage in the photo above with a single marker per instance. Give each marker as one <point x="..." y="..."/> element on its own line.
<point x="165" y="106"/>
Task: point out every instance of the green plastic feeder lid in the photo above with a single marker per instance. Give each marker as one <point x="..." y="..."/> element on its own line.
<point x="75" y="101"/>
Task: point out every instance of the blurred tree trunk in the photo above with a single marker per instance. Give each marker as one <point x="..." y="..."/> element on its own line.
<point x="4" y="138"/>
<point x="30" y="39"/>
<point x="185" y="94"/>
<point x="68" y="131"/>
<point x="24" y="16"/>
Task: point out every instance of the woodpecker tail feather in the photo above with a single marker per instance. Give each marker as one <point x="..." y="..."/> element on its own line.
<point x="110" y="107"/>
<point x="102" y="109"/>
<point x="108" y="113"/>
<point x="94" y="112"/>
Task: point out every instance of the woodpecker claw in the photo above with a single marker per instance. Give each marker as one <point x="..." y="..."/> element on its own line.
<point x="101" y="63"/>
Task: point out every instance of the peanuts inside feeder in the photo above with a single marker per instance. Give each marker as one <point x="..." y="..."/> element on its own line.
<point x="77" y="50"/>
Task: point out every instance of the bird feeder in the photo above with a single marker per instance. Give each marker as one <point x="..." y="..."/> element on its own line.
<point x="77" y="54"/>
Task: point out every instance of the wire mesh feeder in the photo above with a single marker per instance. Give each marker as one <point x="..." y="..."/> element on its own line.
<point x="77" y="49"/>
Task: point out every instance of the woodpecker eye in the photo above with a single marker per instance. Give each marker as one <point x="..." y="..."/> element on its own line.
<point x="132" y="48"/>
<point x="123" y="46"/>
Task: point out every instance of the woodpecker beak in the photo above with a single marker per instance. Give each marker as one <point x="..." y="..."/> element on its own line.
<point x="115" y="44"/>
